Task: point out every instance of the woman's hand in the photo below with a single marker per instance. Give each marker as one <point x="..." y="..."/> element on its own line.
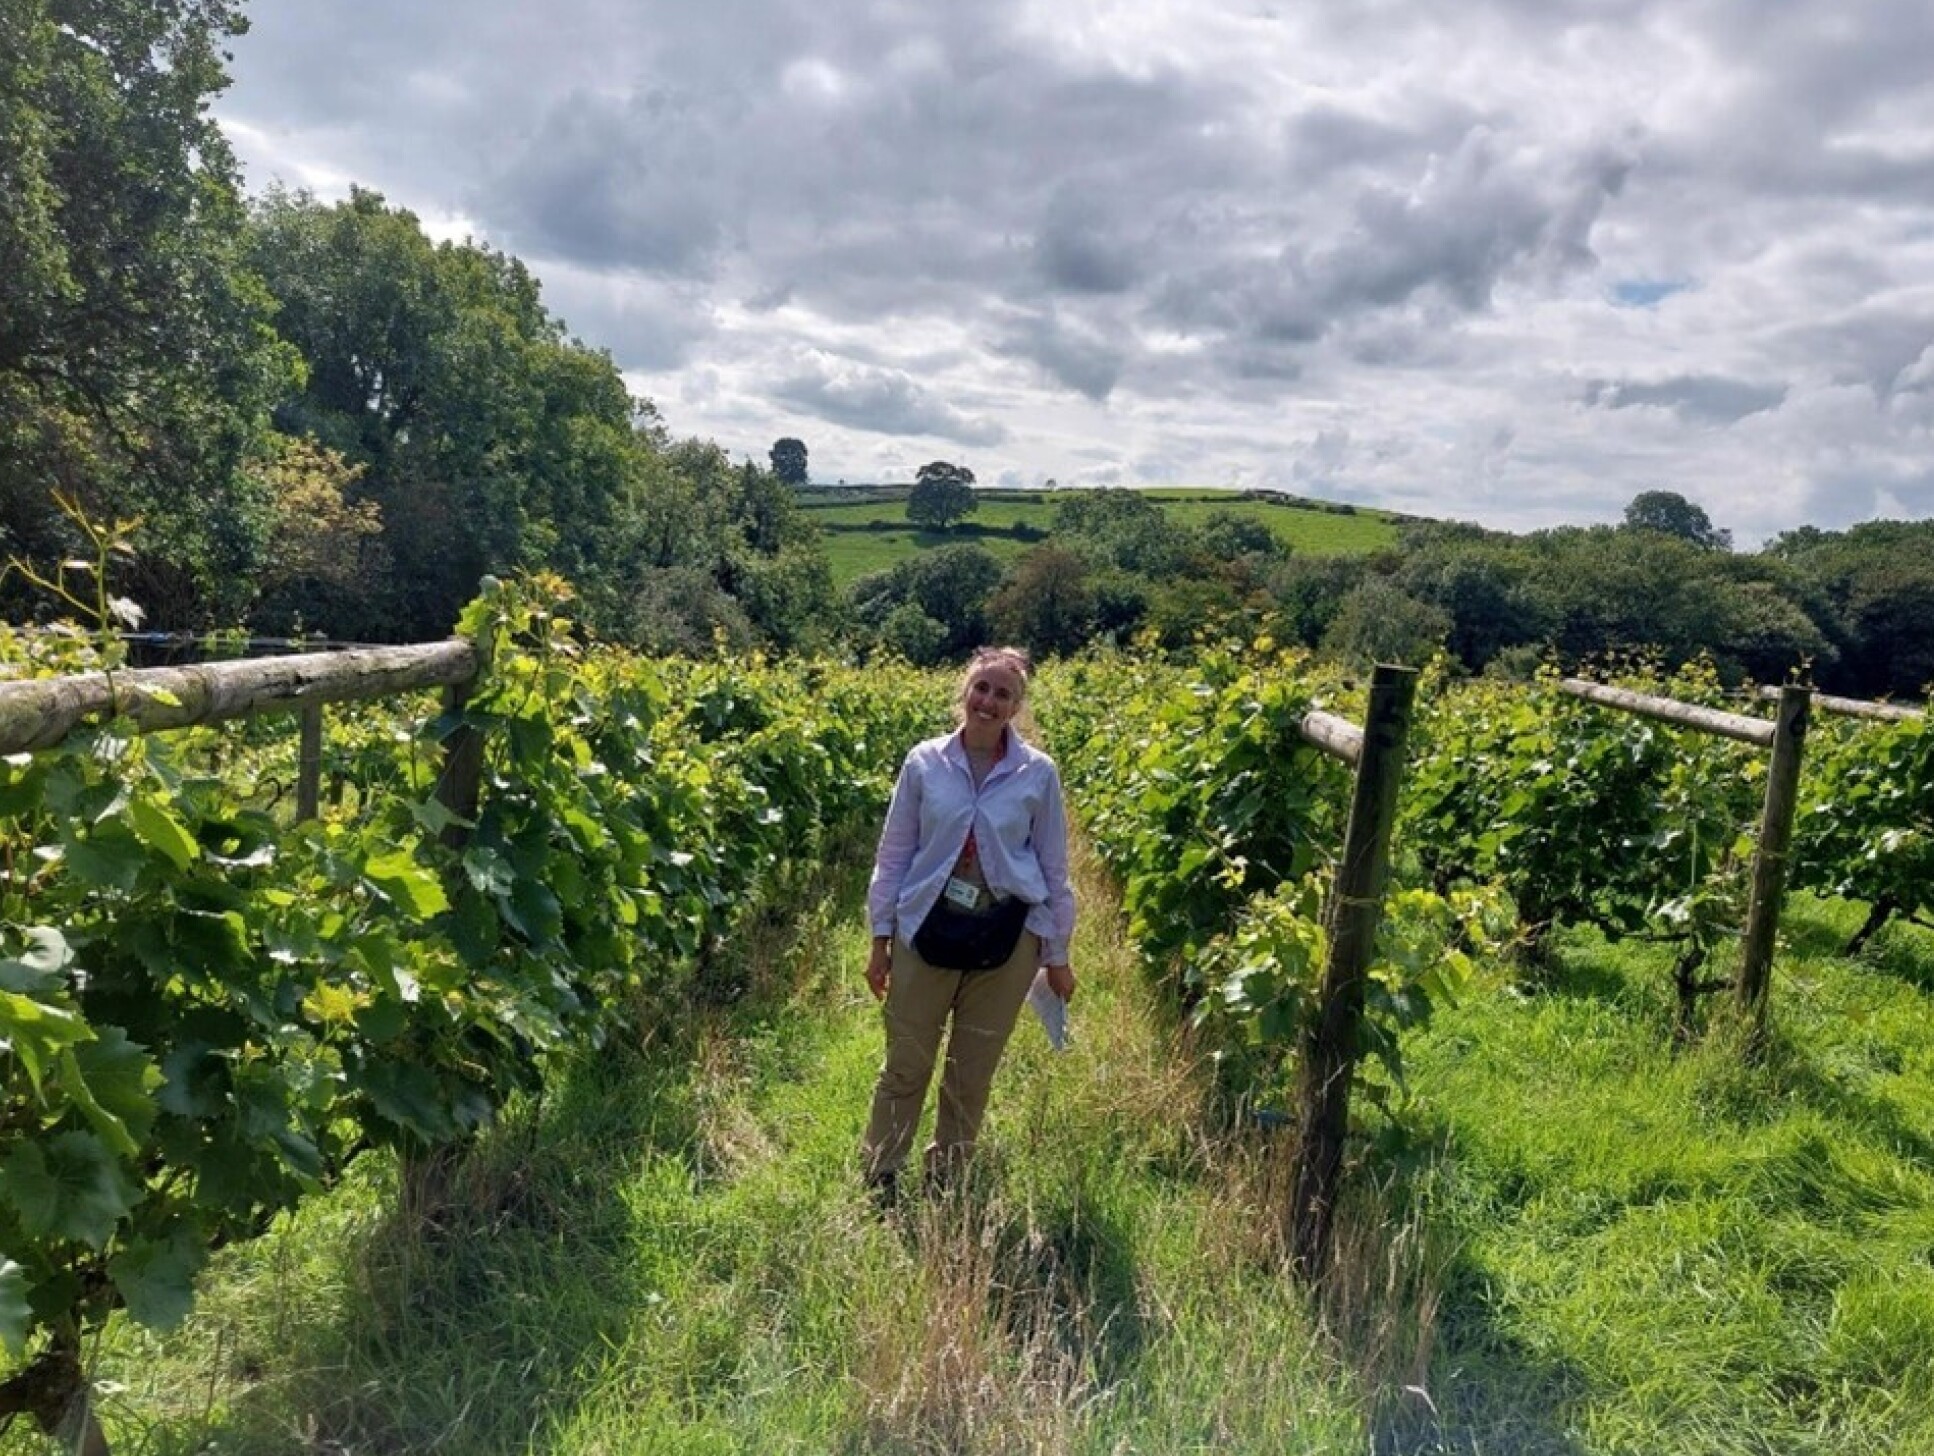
<point x="879" y="967"/>
<point x="1061" y="981"/>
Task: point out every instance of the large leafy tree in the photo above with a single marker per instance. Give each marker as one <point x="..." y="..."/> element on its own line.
<point x="489" y="440"/>
<point x="1875" y="583"/>
<point x="1671" y="514"/>
<point x="135" y="358"/>
<point x="942" y="494"/>
<point x="948" y="587"/>
<point x="789" y="461"/>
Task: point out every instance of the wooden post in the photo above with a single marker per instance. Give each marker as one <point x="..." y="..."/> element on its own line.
<point x="460" y="782"/>
<point x="308" y="780"/>
<point x="1331" y="1044"/>
<point x="1769" y="862"/>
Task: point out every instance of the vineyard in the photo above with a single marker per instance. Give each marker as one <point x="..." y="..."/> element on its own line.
<point x="215" y="1006"/>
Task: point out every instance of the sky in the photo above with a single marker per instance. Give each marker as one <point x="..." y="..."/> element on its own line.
<point x="1503" y="261"/>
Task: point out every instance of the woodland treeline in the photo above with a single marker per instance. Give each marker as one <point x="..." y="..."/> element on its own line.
<point x="320" y="420"/>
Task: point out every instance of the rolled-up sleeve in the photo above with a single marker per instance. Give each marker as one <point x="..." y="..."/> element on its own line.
<point x="899" y="838"/>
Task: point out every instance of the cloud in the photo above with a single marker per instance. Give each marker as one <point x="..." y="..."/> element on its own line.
<point x="1069" y="351"/>
<point x="1703" y="398"/>
<point x="886" y="401"/>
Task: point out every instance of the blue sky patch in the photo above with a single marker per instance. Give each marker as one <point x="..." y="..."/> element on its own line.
<point x="1645" y="292"/>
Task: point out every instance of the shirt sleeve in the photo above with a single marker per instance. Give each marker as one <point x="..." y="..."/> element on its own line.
<point x="1051" y="852"/>
<point x="899" y="838"/>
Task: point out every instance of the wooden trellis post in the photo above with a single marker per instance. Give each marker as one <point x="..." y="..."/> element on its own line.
<point x="1769" y="862"/>
<point x="308" y="779"/>
<point x="1785" y="736"/>
<point x="1332" y="1042"/>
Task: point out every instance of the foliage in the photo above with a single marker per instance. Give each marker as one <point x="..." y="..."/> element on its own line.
<point x="136" y="363"/>
<point x="209" y="1012"/>
<point x="1046" y="603"/>
<point x="1586" y="815"/>
<point x="947" y="588"/>
<point x="789" y="461"/>
<point x="1377" y="621"/>
<point x="1671" y="514"/>
<point x="1221" y="824"/>
<point x="1865" y="827"/>
<point x="1871" y="590"/>
<point x="942" y="494"/>
<point x="487" y="439"/>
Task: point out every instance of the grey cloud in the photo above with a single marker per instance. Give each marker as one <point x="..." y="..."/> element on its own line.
<point x="1709" y="399"/>
<point x="1473" y="217"/>
<point x="866" y="397"/>
<point x="1081" y="250"/>
<point x="1071" y="353"/>
<point x="636" y="186"/>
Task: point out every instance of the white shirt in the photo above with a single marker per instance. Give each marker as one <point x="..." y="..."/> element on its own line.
<point x="1020" y="829"/>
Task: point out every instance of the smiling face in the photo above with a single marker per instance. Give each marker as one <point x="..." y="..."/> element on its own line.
<point x="991" y="697"/>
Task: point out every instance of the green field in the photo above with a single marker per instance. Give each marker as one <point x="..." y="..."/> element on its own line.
<point x="866" y="528"/>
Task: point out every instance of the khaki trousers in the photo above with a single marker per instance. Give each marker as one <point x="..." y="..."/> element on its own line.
<point x="920" y="1000"/>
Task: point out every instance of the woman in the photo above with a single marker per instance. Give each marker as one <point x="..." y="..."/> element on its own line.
<point x="972" y="870"/>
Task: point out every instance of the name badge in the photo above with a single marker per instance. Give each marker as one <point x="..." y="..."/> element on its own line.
<point x="963" y="893"/>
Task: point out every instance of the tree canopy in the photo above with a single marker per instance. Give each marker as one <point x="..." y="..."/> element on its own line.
<point x="136" y="360"/>
<point x="942" y="494"/>
<point x="1671" y="514"/>
<point x="789" y="461"/>
<point x="487" y="440"/>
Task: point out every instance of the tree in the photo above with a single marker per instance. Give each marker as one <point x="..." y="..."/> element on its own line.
<point x="1125" y="529"/>
<point x="489" y="440"/>
<point x="1671" y="514"/>
<point x="950" y="585"/>
<point x="1227" y="536"/>
<point x="1377" y="621"/>
<point x="789" y="461"/>
<point x="136" y="361"/>
<point x="942" y="494"/>
<point x="1046" y="604"/>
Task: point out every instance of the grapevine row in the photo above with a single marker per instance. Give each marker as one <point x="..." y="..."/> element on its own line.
<point x="206" y="1011"/>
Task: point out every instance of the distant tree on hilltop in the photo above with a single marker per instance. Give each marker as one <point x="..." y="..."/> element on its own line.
<point x="942" y="494"/>
<point x="789" y="461"/>
<point x="1671" y="514"/>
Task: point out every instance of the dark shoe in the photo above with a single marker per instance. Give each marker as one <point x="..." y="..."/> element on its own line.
<point x="883" y="1189"/>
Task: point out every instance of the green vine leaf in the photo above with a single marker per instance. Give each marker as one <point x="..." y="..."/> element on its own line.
<point x="407" y="884"/>
<point x="156" y="1278"/>
<point x="155" y="827"/>
<point x="67" y="1187"/>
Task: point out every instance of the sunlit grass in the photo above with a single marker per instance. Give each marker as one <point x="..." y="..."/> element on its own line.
<point x="869" y="536"/>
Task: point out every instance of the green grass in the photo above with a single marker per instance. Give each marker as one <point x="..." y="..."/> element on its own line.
<point x="872" y="534"/>
<point x="1689" y="1251"/>
<point x="1583" y="1241"/>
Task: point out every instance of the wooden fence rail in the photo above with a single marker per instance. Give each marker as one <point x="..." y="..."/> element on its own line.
<point x="41" y="712"/>
<point x="1856" y="707"/>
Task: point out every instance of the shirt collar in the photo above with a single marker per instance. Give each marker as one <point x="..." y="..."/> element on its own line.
<point x="956" y="748"/>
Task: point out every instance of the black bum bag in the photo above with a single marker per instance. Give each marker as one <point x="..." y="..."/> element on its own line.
<point x="961" y="940"/>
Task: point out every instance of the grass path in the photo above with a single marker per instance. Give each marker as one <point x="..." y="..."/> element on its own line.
<point x="673" y="1255"/>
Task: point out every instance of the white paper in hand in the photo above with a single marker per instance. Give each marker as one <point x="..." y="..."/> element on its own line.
<point x="1052" y="1010"/>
